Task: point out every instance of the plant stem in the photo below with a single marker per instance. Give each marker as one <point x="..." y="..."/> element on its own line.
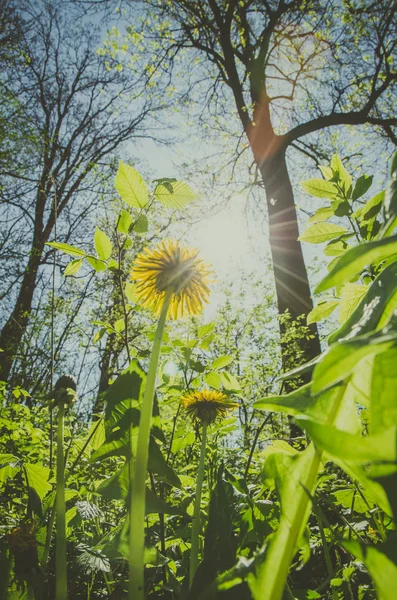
<point x="60" y="566"/>
<point x="257" y="434"/>
<point x="138" y="474"/>
<point x="197" y="505"/>
<point x="327" y="555"/>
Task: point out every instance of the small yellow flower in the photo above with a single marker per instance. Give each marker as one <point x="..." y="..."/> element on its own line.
<point x="207" y="405"/>
<point x="171" y="266"/>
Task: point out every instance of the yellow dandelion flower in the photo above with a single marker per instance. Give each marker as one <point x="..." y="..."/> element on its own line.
<point x="175" y="267"/>
<point x="207" y="405"/>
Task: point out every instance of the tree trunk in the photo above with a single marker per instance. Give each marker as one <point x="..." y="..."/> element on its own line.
<point x="14" y="329"/>
<point x="292" y="284"/>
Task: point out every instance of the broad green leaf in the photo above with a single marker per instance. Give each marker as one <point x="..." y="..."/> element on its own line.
<point x="73" y="267"/>
<point x="213" y="379"/>
<point x="381" y="562"/>
<point x="96" y="264"/>
<point x="383" y="407"/>
<point x="295" y="478"/>
<point x="8" y="460"/>
<point x="141" y="225"/>
<point x="102" y="243"/>
<point x="350" y="297"/>
<point x="7" y="472"/>
<point x="222" y="361"/>
<point x="348" y="497"/>
<point x="321" y="232"/>
<point x="336" y="247"/>
<point x="131" y="186"/>
<point x="174" y="194"/>
<point x="92" y="560"/>
<point x="322" y="311"/>
<point x="124" y="221"/>
<point x="113" y="264"/>
<point x="320" y="188"/>
<point x="322" y="214"/>
<point x="318" y="407"/>
<point x="220" y="543"/>
<point x="67" y="248"/>
<point x="339" y="362"/>
<point x="96" y="434"/>
<point x="355" y="260"/>
<point x="297" y="402"/>
<point x="230" y="382"/>
<point x="371" y="209"/>
<point x="123" y="399"/>
<point x="37" y="477"/>
<point x="345" y="179"/>
<point x="362" y="185"/>
<point x="374" y="309"/>
<point x="205" y="329"/>
<point x="117" y="487"/>
<point x="326" y="172"/>
<point x="130" y="292"/>
<point x="349" y="447"/>
<point x="119" y="325"/>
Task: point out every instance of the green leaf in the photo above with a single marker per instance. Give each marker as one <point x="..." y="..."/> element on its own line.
<point x="336" y="247"/>
<point x="130" y="292"/>
<point x="117" y="488"/>
<point x="73" y="267"/>
<point x="230" y="382"/>
<point x="320" y="188"/>
<point x="350" y="296"/>
<point x="381" y="561"/>
<point x="349" y="447"/>
<point x="322" y="214"/>
<point x="222" y="361"/>
<point x="321" y="232"/>
<point x="318" y="407"/>
<point x="37" y="477"/>
<point x="344" y="178"/>
<point x="213" y="379"/>
<point x="67" y="248"/>
<point x="8" y="472"/>
<point x="363" y="184"/>
<point x="351" y="263"/>
<point x="297" y="402"/>
<point x="220" y="543"/>
<point x="174" y="194"/>
<point x="348" y="498"/>
<point x="102" y="243"/>
<point x="374" y="309"/>
<point x="339" y="362"/>
<point x="205" y="329"/>
<point x="383" y="406"/>
<point x="131" y="186"/>
<point x="295" y="479"/>
<point x="92" y="560"/>
<point x="98" y="265"/>
<point x="141" y="225"/>
<point x="113" y="264"/>
<point x="124" y="222"/>
<point x="326" y="172"/>
<point x="371" y="208"/>
<point x="322" y="311"/>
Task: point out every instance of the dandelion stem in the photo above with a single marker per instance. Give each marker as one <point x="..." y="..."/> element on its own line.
<point x="197" y="505"/>
<point x="60" y="566"/>
<point x="138" y="481"/>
